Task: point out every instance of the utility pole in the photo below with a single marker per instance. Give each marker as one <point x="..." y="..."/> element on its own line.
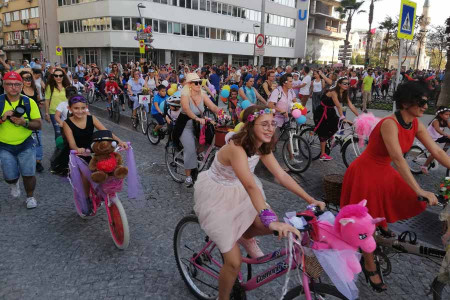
<point x="263" y="17"/>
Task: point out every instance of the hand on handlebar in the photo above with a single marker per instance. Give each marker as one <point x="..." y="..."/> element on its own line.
<point x="430" y="197"/>
<point x="123" y="145"/>
<point x="318" y="203"/>
<point x="81" y="150"/>
<point x="201" y="121"/>
<point x="283" y="229"/>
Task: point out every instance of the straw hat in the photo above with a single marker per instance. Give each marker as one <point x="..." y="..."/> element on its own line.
<point x="192" y="77"/>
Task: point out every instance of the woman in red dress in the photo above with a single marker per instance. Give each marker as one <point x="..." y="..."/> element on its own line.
<point x="392" y="193"/>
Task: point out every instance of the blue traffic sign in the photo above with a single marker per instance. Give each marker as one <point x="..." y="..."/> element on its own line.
<point x="407" y="20"/>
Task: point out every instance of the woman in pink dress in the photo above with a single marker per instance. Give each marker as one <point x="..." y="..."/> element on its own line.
<point x="229" y="199"/>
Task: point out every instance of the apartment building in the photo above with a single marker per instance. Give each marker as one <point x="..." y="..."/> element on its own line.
<point x="20" y="29"/>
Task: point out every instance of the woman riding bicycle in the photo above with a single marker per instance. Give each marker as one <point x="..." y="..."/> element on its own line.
<point x="135" y="86"/>
<point x="392" y="193"/>
<point x="248" y="92"/>
<point x="229" y="200"/>
<point x="193" y="102"/>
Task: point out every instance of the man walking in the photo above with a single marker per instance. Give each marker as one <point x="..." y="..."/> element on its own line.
<point x="367" y="90"/>
<point x="305" y="86"/>
<point x="19" y="117"/>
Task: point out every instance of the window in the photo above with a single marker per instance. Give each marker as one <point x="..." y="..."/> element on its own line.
<point x="7" y="18"/>
<point x="208" y="5"/>
<point x="34" y="12"/>
<point x="61" y="27"/>
<point x="190" y="30"/>
<point x="117" y="23"/>
<point x="223" y="34"/>
<point x="164" y="1"/>
<point x="230" y="10"/>
<point x="201" y="31"/>
<point x="235" y="11"/>
<point x="157" y="1"/>
<point x="224" y="9"/>
<point x="244" y="13"/>
<point x="126" y="24"/>
<point x="188" y="4"/>
<point x="183" y="29"/>
<point x="174" y="2"/>
<point x="148" y="22"/>
<point x="163" y="26"/>
<point x="214" y="6"/>
<point x="24" y="14"/>
<point x="213" y="34"/>
<point x="182" y="3"/>
<point x="207" y="32"/>
<point x="195" y="30"/>
<point x="194" y="4"/>
<point x="202" y="4"/>
<point x="15" y="15"/>
<point x="155" y="26"/>
<point x="134" y="21"/>
<point x="176" y="28"/>
<point x="70" y="26"/>
<point x="169" y="27"/>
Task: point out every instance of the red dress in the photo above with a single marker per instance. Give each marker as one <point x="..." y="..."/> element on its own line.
<point x="372" y="177"/>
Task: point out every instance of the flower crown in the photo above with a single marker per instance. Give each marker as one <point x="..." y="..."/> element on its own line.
<point x="256" y="114"/>
<point x="442" y="110"/>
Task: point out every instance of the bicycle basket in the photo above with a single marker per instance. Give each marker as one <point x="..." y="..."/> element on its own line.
<point x="313" y="267"/>
<point x="112" y="185"/>
<point x="221" y="132"/>
<point x="332" y="185"/>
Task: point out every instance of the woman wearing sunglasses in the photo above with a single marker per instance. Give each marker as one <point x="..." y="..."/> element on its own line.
<point x="392" y="193"/>
<point x="55" y="93"/>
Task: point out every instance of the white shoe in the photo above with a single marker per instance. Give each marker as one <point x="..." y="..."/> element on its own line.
<point x="188" y="182"/>
<point x="31" y="203"/>
<point x="251" y="246"/>
<point x="15" y="189"/>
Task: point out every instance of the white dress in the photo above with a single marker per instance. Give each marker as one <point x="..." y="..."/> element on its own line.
<point x="222" y="204"/>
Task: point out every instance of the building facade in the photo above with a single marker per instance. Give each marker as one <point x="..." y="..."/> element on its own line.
<point x="326" y="32"/>
<point x="192" y="31"/>
<point x="20" y="27"/>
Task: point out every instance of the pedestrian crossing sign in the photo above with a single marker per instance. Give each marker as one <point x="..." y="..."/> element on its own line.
<point x="407" y="20"/>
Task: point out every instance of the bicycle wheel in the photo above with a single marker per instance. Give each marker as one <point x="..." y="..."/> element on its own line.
<point x="188" y="240"/>
<point x="351" y="150"/>
<point x="118" y="223"/>
<point x="143" y="119"/>
<point x="175" y="164"/>
<point x="110" y="110"/>
<point x="439" y="291"/>
<point x="313" y="141"/>
<point x="116" y="111"/>
<point x="415" y="158"/>
<point x="318" y="291"/>
<point x="297" y="159"/>
<point x="154" y="139"/>
<point x="90" y="96"/>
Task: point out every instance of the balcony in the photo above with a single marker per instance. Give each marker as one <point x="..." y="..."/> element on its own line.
<point x="330" y="32"/>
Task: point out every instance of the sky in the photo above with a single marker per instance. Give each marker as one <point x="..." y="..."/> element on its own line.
<point x="439" y="11"/>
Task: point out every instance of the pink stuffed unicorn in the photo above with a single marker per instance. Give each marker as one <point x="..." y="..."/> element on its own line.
<point x="353" y="228"/>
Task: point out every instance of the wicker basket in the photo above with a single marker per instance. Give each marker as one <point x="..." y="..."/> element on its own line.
<point x="332" y="185"/>
<point x="221" y="132"/>
<point x="313" y="267"/>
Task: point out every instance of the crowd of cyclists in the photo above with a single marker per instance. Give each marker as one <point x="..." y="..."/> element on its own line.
<point x="59" y="93"/>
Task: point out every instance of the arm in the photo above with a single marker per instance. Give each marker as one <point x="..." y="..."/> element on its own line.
<point x="70" y="139"/>
<point x="210" y="104"/>
<point x="58" y="118"/>
<point x="325" y="78"/>
<point x="424" y="137"/>
<point x="352" y="107"/>
<point x="99" y="126"/>
<point x="337" y="103"/>
<point x="438" y="129"/>
<point x="287" y="181"/>
<point x="7" y="68"/>
<point x="259" y="97"/>
<point x="389" y="133"/>
<point x="266" y="88"/>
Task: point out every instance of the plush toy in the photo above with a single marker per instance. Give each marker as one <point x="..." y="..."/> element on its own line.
<point x="353" y="228"/>
<point x="105" y="162"/>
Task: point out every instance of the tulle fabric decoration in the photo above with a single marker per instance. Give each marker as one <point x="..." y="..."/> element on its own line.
<point x="364" y="124"/>
<point x="135" y="190"/>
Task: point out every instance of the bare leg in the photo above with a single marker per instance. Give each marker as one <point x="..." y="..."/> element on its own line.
<point x="322" y="147"/>
<point x="29" y="182"/>
<point x="229" y="272"/>
<point x="187" y="172"/>
<point x="369" y="265"/>
<point x="256" y="229"/>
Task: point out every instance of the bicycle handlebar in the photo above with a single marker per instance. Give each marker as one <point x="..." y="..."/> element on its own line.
<point x="317" y="212"/>
<point x="88" y="152"/>
<point x="441" y="200"/>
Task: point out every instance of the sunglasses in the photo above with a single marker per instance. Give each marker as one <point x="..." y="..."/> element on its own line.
<point x="58" y="75"/>
<point x="423" y="102"/>
<point x="27" y="79"/>
<point x="196" y="82"/>
<point x="344" y="83"/>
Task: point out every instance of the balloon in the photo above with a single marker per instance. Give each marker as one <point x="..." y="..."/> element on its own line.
<point x="298" y="106"/>
<point x="245" y="104"/>
<point x="235" y="87"/>
<point x="296" y="113"/>
<point x="238" y="127"/>
<point x="304" y="111"/>
<point x="171" y="91"/>
<point x="301" y="120"/>
<point x="224" y="99"/>
<point x="226" y="87"/>
<point x="225" y="93"/>
<point x="241" y="116"/>
<point x="204" y="82"/>
<point x="174" y="86"/>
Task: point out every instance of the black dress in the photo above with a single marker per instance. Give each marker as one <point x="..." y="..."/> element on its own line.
<point x="82" y="137"/>
<point x="325" y="118"/>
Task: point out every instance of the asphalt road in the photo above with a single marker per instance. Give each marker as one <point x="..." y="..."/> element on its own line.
<point x="51" y="253"/>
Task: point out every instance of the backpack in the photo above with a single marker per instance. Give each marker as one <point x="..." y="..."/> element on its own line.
<point x="24" y="99"/>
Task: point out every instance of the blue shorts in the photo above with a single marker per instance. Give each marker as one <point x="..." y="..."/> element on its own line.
<point x="159" y="118"/>
<point x="18" y="160"/>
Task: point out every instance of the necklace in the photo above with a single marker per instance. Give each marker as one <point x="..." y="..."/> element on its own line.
<point x="402" y="122"/>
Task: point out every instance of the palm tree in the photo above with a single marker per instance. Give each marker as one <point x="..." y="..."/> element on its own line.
<point x="347" y="10"/>
<point x="369" y="32"/>
<point x="444" y="96"/>
<point x="390" y="26"/>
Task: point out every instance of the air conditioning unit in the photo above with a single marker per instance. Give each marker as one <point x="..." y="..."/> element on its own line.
<point x="26" y="41"/>
<point x="25" y="21"/>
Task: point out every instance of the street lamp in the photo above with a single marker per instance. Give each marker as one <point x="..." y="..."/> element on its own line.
<point x="256" y="25"/>
<point x="139" y="6"/>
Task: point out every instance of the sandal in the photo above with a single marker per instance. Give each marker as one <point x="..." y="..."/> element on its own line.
<point x="387" y="233"/>
<point x="377" y="287"/>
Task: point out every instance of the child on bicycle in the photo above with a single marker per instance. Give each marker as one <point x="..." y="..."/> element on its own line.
<point x="436" y="129"/>
<point x="111" y="88"/>
<point x="229" y="200"/>
<point x="78" y="130"/>
<point x="156" y="111"/>
<point x="171" y="114"/>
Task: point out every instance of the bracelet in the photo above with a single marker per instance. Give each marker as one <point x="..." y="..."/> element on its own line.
<point x="267" y="216"/>
<point x="27" y="123"/>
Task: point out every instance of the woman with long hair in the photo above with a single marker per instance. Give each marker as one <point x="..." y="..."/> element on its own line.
<point x="317" y="87"/>
<point x="55" y="93"/>
<point x="229" y="199"/>
<point x="325" y="117"/>
<point x="135" y="86"/>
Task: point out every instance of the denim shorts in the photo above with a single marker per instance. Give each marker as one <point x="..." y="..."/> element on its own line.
<point x="159" y="118"/>
<point x="18" y="160"/>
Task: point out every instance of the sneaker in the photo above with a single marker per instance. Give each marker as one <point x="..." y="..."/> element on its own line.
<point x="39" y="167"/>
<point x="251" y="247"/>
<point x="15" y="189"/>
<point x="325" y="157"/>
<point x="31" y="203"/>
<point x="189" y="182"/>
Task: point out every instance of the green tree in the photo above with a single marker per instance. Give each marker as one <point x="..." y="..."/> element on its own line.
<point x="436" y="45"/>
<point x="390" y="27"/>
<point x="444" y="96"/>
<point x="369" y="32"/>
<point x="347" y="10"/>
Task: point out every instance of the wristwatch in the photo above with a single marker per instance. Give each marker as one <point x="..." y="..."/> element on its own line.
<point x="27" y="123"/>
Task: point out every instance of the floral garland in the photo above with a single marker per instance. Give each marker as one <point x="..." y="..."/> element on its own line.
<point x="445" y="188"/>
<point x="256" y="114"/>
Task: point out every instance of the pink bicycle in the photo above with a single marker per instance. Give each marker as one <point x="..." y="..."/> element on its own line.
<point x="199" y="262"/>
<point x="99" y="193"/>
